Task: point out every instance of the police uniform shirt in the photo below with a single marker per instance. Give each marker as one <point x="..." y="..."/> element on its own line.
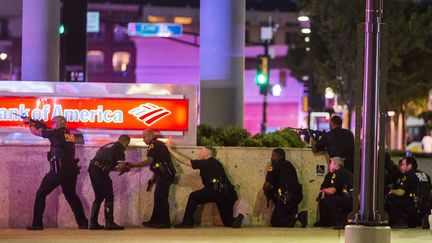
<point x="338" y="142"/>
<point x="159" y="153"/>
<point x="282" y="174"/>
<point x="110" y="155"/>
<point x="408" y="182"/>
<point x="424" y="185"/>
<point x="209" y="169"/>
<point x="340" y="179"/>
<point x="62" y="143"/>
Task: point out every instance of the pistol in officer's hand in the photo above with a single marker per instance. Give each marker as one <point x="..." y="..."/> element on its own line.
<point x="123" y="168"/>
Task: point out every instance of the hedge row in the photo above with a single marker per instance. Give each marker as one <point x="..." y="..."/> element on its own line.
<point x="236" y="136"/>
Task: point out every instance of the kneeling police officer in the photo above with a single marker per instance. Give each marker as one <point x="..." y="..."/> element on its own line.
<point x="109" y="157"/>
<point x="282" y="186"/>
<point x="335" y="199"/>
<point x="217" y="188"/>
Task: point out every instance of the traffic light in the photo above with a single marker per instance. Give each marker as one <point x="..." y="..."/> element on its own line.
<point x="262" y="76"/>
<point x="61" y="29"/>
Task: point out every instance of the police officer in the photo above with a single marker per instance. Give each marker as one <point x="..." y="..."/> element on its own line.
<point x="424" y="202"/>
<point x="283" y="187"/>
<point x="392" y="173"/>
<point x="335" y="200"/>
<point x="63" y="172"/>
<point x="409" y="203"/>
<point x="338" y="142"/>
<point x="217" y="188"/>
<point x="109" y="157"/>
<point x="159" y="159"/>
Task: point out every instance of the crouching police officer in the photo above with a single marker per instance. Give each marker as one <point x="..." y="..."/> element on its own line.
<point x="217" y="188"/>
<point x="159" y="159"/>
<point x="335" y="199"/>
<point x="409" y="203"/>
<point x="63" y="172"/>
<point x="109" y="157"/>
<point x="282" y="186"/>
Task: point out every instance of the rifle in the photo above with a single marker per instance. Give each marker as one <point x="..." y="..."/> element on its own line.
<point x="39" y="124"/>
<point x="308" y="133"/>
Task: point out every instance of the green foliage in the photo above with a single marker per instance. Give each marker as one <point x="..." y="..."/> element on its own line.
<point x="235" y="136"/>
<point x="334" y="61"/>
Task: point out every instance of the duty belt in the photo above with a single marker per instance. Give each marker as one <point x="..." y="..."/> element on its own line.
<point x="99" y="165"/>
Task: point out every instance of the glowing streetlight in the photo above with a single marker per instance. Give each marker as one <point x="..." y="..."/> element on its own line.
<point x="276" y="90"/>
<point x="306" y="31"/>
<point x="329" y="94"/>
<point x="303" y="18"/>
<point x="3" y="56"/>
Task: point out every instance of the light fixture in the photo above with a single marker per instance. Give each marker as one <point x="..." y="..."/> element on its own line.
<point x="306" y="31"/>
<point x="329" y="94"/>
<point x="276" y="90"/>
<point x="3" y="56"/>
<point x="303" y="18"/>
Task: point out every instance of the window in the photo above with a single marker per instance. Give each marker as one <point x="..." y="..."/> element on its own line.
<point x="120" y="33"/>
<point x="95" y="61"/>
<point x="120" y="61"/>
<point x="3" y="28"/>
<point x="98" y="35"/>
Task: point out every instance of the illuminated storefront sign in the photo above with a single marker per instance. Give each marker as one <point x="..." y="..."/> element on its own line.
<point x="99" y="113"/>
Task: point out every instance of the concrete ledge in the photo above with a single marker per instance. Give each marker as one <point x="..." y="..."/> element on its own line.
<point x="24" y="166"/>
<point x="365" y="234"/>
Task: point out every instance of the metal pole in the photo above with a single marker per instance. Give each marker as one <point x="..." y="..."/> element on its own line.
<point x="264" y="122"/>
<point x="369" y="156"/>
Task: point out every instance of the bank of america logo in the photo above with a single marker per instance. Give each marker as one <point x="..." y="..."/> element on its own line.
<point x="149" y="113"/>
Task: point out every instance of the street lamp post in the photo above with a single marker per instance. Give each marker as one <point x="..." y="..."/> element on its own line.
<point x="368" y="218"/>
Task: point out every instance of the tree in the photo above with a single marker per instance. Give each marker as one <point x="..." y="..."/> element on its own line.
<point x="333" y="56"/>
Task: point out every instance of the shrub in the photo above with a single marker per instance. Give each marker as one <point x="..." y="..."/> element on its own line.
<point x="236" y="136"/>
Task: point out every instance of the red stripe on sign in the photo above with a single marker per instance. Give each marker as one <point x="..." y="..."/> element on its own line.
<point x="157" y="117"/>
<point x="150" y="113"/>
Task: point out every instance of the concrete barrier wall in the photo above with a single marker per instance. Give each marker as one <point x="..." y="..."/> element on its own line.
<point x="24" y="166"/>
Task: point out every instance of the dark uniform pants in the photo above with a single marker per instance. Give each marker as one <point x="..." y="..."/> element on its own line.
<point x="102" y="186"/>
<point x="160" y="214"/>
<point x="225" y="204"/>
<point x="334" y="210"/>
<point x="68" y="184"/>
<point x="401" y="211"/>
<point x="284" y="214"/>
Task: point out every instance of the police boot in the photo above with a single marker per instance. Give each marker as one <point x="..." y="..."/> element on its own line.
<point x="109" y="217"/>
<point x="94" y="225"/>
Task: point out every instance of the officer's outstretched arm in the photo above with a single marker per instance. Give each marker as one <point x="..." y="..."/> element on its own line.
<point x="397" y="192"/>
<point x="148" y="161"/>
<point x="32" y="128"/>
<point x="180" y="157"/>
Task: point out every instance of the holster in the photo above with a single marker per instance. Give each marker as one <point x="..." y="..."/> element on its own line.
<point x="162" y="168"/>
<point x="55" y="164"/>
<point x="222" y="186"/>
